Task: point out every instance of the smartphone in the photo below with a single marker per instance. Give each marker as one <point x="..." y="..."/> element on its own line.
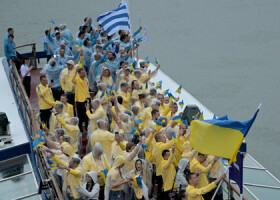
<point x="51" y="81"/>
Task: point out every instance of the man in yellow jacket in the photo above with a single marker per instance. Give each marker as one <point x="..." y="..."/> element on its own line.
<point x="67" y="106"/>
<point x="73" y="175"/>
<point x="158" y="148"/>
<point x="72" y="130"/>
<point x="104" y="137"/>
<point x="97" y="161"/>
<point x="168" y="172"/>
<point x="98" y="113"/>
<point x="125" y="94"/>
<point x="81" y="95"/>
<point x="195" y="193"/>
<point x="44" y="91"/>
<point x="197" y="163"/>
<point x="146" y="115"/>
<point x="66" y="81"/>
<point x="58" y="111"/>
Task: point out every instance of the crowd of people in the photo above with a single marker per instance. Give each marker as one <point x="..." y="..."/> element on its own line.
<point x="135" y="148"/>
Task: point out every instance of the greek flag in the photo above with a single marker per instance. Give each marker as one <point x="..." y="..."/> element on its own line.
<point x="115" y="20"/>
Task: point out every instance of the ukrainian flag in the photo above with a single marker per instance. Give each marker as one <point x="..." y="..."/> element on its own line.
<point x="178" y="119"/>
<point x="156" y="61"/>
<point x="51" y="164"/>
<point x="133" y="130"/>
<point x="138" y="181"/>
<point x="159" y="85"/>
<point x="179" y="89"/>
<point x="165" y="92"/>
<point x="103" y="174"/>
<point x="158" y="125"/>
<point x="102" y="94"/>
<point x="181" y="103"/>
<point x="138" y="121"/>
<point x="219" y="137"/>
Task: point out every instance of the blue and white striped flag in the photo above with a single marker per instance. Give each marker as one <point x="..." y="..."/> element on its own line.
<point x="115" y="20"/>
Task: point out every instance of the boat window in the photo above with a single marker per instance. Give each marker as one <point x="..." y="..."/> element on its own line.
<point x="19" y="186"/>
<point x="14" y="166"/>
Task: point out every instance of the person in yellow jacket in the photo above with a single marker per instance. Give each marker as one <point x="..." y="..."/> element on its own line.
<point x="72" y="129"/>
<point x="97" y="161"/>
<point x="158" y="148"/>
<point x="58" y="111"/>
<point x="98" y="113"/>
<point x="146" y="115"/>
<point x="104" y="137"/>
<point x="105" y="77"/>
<point x="73" y="175"/>
<point x="134" y="91"/>
<point x="81" y="95"/>
<point x="67" y="106"/>
<point x="198" y="163"/>
<point x="168" y="172"/>
<point x="120" y="104"/>
<point x="43" y="91"/>
<point x="140" y="102"/>
<point x="125" y="94"/>
<point x="164" y="109"/>
<point x="66" y="83"/>
<point x="195" y="193"/>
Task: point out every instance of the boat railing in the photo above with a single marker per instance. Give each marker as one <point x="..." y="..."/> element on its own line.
<point x="32" y="55"/>
<point x="50" y="184"/>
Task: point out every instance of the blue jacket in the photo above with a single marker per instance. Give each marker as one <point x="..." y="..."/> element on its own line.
<point x="67" y="34"/>
<point x="68" y="52"/>
<point x="55" y="43"/>
<point x="87" y="55"/>
<point x="113" y="66"/>
<point x="53" y="73"/>
<point x="9" y="49"/>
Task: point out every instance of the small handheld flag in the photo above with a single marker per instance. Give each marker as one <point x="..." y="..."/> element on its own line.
<point x="52" y="21"/>
<point x="181" y="103"/>
<point x="173" y="135"/>
<point x="144" y="38"/>
<point x="51" y="164"/>
<point x="179" y="89"/>
<point x="147" y="60"/>
<point x="178" y="119"/>
<point x="138" y="121"/>
<point x="102" y="94"/>
<point x="145" y="147"/>
<point x="138" y="181"/>
<point x="133" y="130"/>
<point x="159" y="85"/>
<point x="158" y="125"/>
<point x="165" y="92"/>
<point x="156" y="61"/>
<point x="103" y="174"/>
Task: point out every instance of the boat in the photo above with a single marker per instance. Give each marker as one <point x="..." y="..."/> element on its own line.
<point x="23" y="173"/>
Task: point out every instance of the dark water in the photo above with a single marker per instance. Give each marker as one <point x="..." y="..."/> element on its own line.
<point x="225" y="53"/>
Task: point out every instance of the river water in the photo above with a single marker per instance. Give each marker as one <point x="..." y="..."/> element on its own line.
<point x="225" y="53"/>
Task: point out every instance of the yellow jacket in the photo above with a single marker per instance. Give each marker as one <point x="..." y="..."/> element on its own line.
<point x="54" y="124"/>
<point x="164" y="109"/>
<point x="113" y="124"/>
<point x="47" y="92"/>
<point x="187" y="151"/>
<point x="140" y="105"/>
<point x="126" y="99"/>
<point x="105" y="138"/>
<point x="157" y="157"/>
<point x="168" y="173"/>
<point x="72" y="178"/>
<point x="81" y="88"/>
<point x="90" y="164"/>
<point x="66" y="80"/>
<point x="196" y="194"/>
<point x="69" y="109"/>
<point x="72" y="131"/>
<point x="203" y="180"/>
<point x="146" y="116"/>
<point x="99" y="113"/>
<point x="134" y="95"/>
<point x="150" y="145"/>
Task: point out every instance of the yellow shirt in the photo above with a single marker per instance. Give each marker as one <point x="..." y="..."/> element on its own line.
<point x="134" y="95"/>
<point x="164" y="109"/>
<point x="116" y="176"/>
<point x="140" y="106"/>
<point x="157" y="157"/>
<point x="66" y="80"/>
<point x="168" y="173"/>
<point x="99" y="113"/>
<point x="146" y="116"/>
<point x="126" y="99"/>
<point x="107" y="80"/>
<point x="69" y="109"/>
<point x="90" y="164"/>
<point x="72" y="131"/>
<point x="81" y="89"/>
<point x="72" y="178"/>
<point x="105" y="138"/>
<point x="113" y="124"/>
<point x="54" y="124"/>
<point x="47" y="92"/>
<point x="187" y="151"/>
<point x="203" y="180"/>
<point x="196" y="194"/>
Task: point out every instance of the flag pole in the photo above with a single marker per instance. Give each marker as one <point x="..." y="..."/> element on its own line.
<point x="219" y="185"/>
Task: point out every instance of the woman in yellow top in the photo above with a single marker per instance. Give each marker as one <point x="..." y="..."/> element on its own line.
<point x="125" y="77"/>
<point x="116" y="180"/>
<point x="106" y="77"/>
<point x="141" y="169"/>
<point x="134" y="91"/>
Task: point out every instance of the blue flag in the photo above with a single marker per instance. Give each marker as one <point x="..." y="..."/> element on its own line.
<point x="236" y="171"/>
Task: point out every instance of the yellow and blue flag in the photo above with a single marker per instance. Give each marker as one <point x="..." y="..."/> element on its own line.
<point x="103" y="174"/>
<point x="40" y="134"/>
<point x="145" y="147"/>
<point x="38" y="143"/>
<point x="179" y="89"/>
<point x="199" y="116"/>
<point x="138" y="121"/>
<point x="214" y="117"/>
<point x="171" y="97"/>
<point x="165" y="92"/>
<point x="141" y="87"/>
<point x="181" y="103"/>
<point x="147" y="61"/>
<point x="159" y="85"/>
<point x="156" y="61"/>
<point x="219" y="137"/>
<point x="173" y="135"/>
<point x="138" y="181"/>
<point x="178" y="119"/>
<point x="51" y="164"/>
<point x="185" y="122"/>
<point x="102" y="94"/>
<point x="133" y="130"/>
<point x="158" y="125"/>
<point x="37" y="117"/>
